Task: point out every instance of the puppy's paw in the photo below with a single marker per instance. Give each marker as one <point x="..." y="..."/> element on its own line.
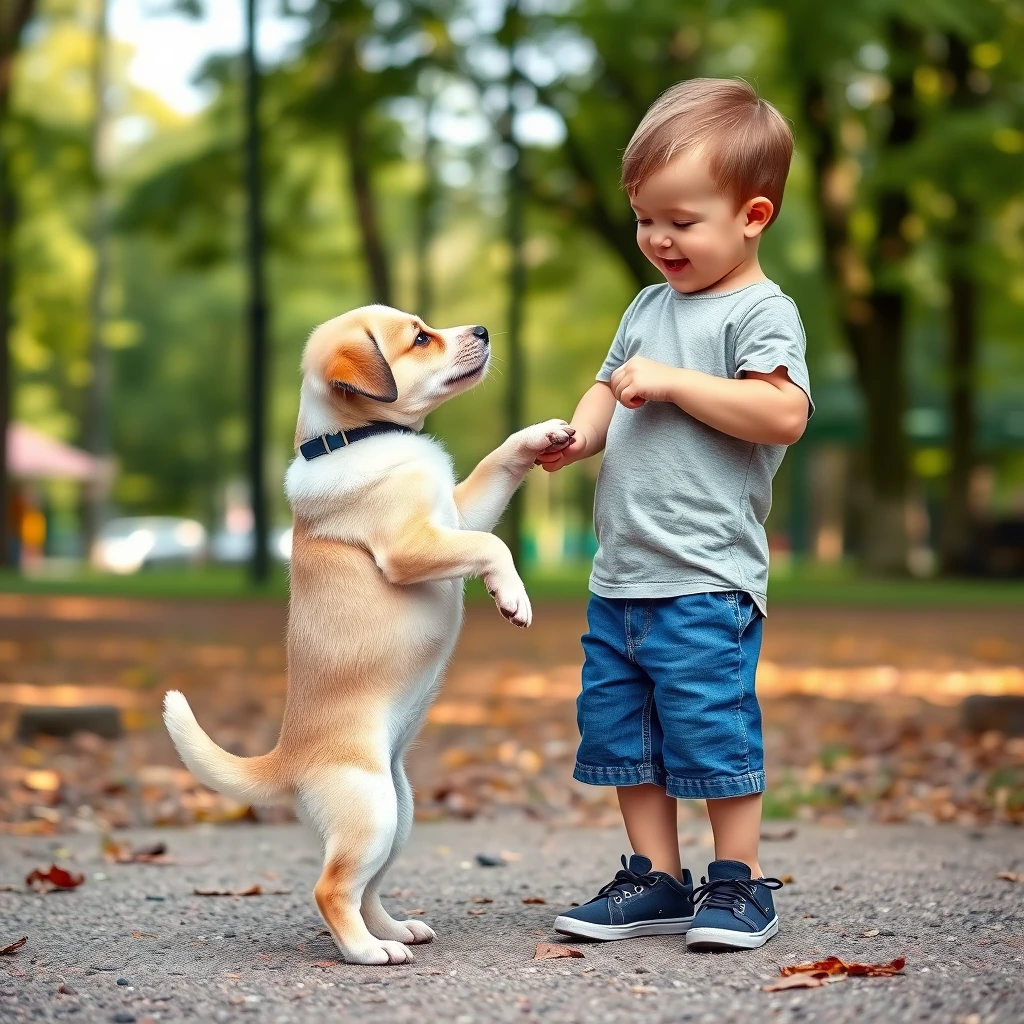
<point x="381" y="952"/>
<point x="408" y="932"/>
<point x="421" y="932"/>
<point x="549" y="436"/>
<point x="511" y="598"/>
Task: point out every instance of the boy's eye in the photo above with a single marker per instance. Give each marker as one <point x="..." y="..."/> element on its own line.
<point x="687" y="224"/>
<point x="422" y="339"/>
<point x="643" y="222"/>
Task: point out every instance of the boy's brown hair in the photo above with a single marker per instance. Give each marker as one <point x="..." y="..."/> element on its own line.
<point x="748" y="143"/>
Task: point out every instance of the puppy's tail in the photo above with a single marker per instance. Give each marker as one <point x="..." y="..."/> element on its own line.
<point x="249" y="780"/>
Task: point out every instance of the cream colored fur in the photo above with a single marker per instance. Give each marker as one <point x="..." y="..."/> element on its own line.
<point x="382" y="541"/>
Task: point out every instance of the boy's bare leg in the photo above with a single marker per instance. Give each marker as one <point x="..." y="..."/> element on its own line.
<point x="736" y="823"/>
<point x="650" y="817"/>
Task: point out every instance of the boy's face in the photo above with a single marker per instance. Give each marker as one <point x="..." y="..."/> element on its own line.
<point x="692" y="233"/>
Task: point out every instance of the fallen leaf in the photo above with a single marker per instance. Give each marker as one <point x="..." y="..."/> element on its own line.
<point x="644" y="990"/>
<point x="482" y="899"/>
<point x="534" y="899"/>
<point x="253" y="890"/>
<point x="833" y="965"/>
<point x="869" y="934"/>
<point x="800" y="981"/>
<point x="418" y="912"/>
<point x="786" y="879"/>
<point x="878" y="970"/>
<point x="53" y="878"/>
<point x="324" y="964"/>
<point x="67" y="990"/>
<point x="14" y="946"/>
<point x="232" y="974"/>
<point x="124" y="853"/>
<point x="1011" y="876"/>
<point x="143" y="935"/>
<point x="476" y="912"/>
<point x="552" y="951"/>
<point x="775" y="837"/>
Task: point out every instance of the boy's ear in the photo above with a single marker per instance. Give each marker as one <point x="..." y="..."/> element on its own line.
<point x="759" y="213"/>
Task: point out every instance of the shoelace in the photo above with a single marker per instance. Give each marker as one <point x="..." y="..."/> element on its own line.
<point x="626" y="883"/>
<point x="725" y="893"/>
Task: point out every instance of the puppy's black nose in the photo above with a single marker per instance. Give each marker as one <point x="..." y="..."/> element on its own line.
<point x="481" y="333"/>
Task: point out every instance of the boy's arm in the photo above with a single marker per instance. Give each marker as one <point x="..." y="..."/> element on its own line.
<point x="764" y="408"/>
<point x="590" y="421"/>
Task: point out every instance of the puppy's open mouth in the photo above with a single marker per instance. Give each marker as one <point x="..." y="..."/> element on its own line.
<point x="468" y="375"/>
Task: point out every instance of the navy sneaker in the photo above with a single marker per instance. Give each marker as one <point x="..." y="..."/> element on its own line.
<point x="734" y="911"/>
<point x="637" y="901"/>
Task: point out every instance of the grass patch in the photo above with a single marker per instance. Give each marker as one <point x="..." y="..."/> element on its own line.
<point x="804" y="587"/>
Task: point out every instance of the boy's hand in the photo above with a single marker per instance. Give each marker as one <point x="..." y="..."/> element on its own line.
<point x="552" y="461"/>
<point x="640" y="380"/>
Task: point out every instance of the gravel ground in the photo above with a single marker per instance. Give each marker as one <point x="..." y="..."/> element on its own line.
<point x="133" y="943"/>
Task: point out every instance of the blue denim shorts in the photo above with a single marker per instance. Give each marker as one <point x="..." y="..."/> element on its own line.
<point x="668" y="695"/>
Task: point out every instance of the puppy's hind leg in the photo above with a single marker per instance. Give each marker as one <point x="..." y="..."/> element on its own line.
<point x="355" y="811"/>
<point x="377" y="919"/>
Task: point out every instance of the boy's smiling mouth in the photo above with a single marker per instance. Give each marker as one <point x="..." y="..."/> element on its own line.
<point x="674" y="266"/>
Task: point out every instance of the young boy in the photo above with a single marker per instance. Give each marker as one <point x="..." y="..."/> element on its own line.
<point x="704" y="387"/>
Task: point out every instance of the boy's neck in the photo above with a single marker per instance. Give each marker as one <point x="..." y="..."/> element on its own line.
<point x="746" y="273"/>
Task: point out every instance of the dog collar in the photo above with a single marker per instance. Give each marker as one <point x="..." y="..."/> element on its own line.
<point x="327" y="443"/>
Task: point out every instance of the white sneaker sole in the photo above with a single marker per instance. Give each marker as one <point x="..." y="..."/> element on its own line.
<point x="608" y="932"/>
<point x="726" y="938"/>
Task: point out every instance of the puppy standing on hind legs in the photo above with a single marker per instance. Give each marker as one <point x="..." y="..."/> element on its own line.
<point x="382" y="540"/>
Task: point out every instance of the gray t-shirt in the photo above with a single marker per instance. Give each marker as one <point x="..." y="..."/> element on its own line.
<point x="680" y="506"/>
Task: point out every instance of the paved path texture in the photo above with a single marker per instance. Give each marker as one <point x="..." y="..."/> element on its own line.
<point x="134" y="942"/>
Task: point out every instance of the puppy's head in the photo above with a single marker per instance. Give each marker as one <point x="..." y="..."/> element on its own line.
<point x="377" y="363"/>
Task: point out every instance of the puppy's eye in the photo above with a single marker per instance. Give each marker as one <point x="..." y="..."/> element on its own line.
<point x="422" y="339"/>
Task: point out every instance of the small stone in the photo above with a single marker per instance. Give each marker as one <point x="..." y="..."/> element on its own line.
<point x="123" y="981"/>
<point x="489" y="860"/>
<point x="123" y="1018"/>
<point x="230" y="935"/>
<point x="67" y="990"/>
<point x="156" y="899"/>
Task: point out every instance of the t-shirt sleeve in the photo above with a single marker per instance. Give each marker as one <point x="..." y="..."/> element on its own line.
<point x="772" y="335"/>
<point x="617" y="353"/>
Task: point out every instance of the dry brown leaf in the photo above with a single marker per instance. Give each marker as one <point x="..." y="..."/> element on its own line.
<point x="644" y="990"/>
<point x="870" y="933"/>
<point x="833" y="965"/>
<point x="143" y="935"/>
<point x="786" y="879"/>
<point x="552" y="951"/>
<point x="14" y="946"/>
<point x="476" y="912"/>
<point x="482" y="899"/>
<point x="1011" y="876"/>
<point x="800" y="981"/>
<point x="534" y="899"/>
<point x="418" y="912"/>
<point x="878" y="970"/>
<point x="232" y="974"/>
<point x="124" y="853"/>
<point x="53" y="878"/>
<point x="253" y="890"/>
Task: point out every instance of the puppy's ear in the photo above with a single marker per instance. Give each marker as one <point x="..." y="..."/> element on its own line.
<point x="359" y="367"/>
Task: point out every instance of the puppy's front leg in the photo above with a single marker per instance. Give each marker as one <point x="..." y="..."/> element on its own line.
<point x="483" y="496"/>
<point x="422" y="551"/>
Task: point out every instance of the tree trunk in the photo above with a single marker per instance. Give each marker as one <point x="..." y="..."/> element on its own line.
<point x="426" y="222"/>
<point x="259" y="566"/>
<point x="12" y="22"/>
<point x="872" y="309"/>
<point x="955" y="539"/>
<point x="516" y="197"/>
<point x="97" y="428"/>
<point x="366" y="210"/>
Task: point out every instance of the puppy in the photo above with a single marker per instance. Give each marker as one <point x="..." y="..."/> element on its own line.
<point x="382" y="541"/>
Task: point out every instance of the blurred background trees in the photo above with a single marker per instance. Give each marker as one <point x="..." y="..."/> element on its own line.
<point x="461" y="158"/>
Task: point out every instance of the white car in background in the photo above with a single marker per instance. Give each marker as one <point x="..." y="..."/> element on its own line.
<point x="233" y="547"/>
<point x="127" y="545"/>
